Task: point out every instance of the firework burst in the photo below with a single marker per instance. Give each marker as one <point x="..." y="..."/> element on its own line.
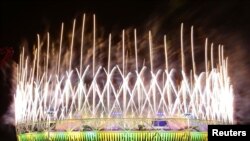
<point x="102" y="79"/>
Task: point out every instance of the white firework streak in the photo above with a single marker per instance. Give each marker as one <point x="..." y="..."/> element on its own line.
<point x="48" y="86"/>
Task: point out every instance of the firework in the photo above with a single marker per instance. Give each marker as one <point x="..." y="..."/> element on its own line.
<point x="107" y="84"/>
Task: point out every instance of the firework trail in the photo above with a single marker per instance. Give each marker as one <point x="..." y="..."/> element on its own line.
<point x="123" y="77"/>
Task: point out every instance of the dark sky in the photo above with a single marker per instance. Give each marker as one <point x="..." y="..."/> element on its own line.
<point x="23" y="20"/>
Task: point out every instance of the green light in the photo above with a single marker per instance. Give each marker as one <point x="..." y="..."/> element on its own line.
<point x="115" y="136"/>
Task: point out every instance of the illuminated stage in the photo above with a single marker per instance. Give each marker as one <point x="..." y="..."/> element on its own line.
<point x="115" y="136"/>
<point x="112" y="130"/>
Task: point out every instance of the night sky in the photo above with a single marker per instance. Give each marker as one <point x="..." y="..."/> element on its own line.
<point x="21" y="21"/>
